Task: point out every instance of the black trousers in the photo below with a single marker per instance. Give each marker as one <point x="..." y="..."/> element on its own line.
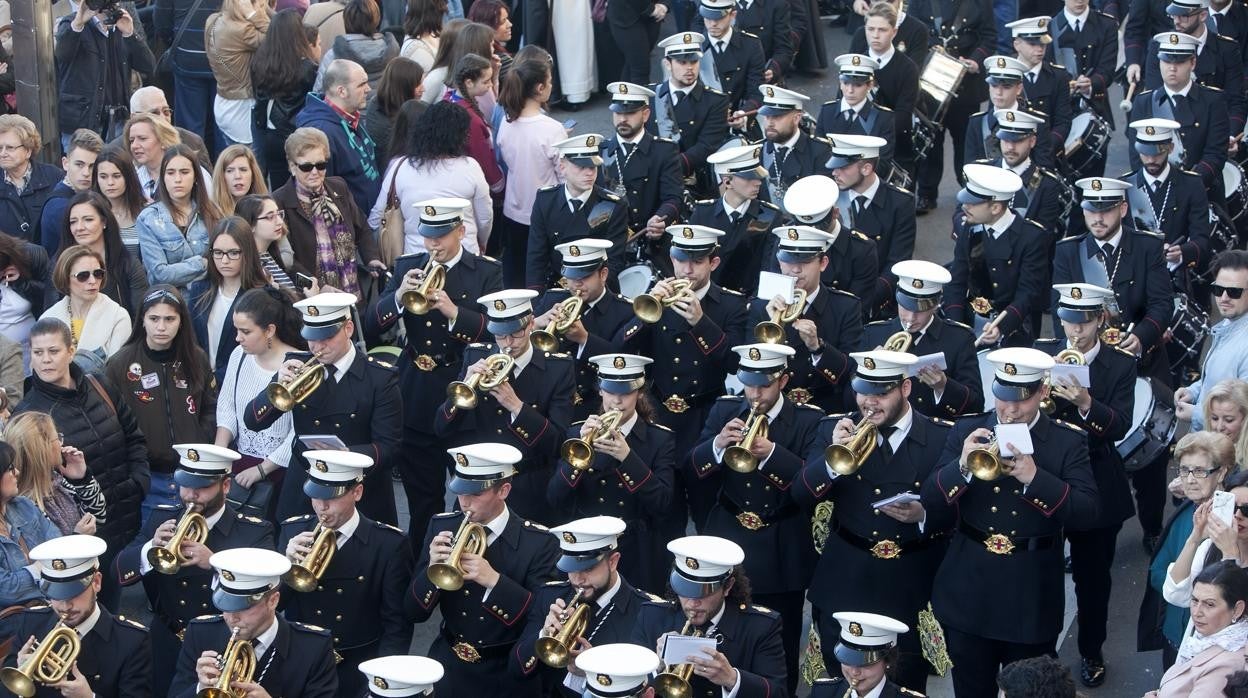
<point x="1091" y="559"/>
<point x="1150" y="493"/>
<point x="423" y="464"/>
<point x="932" y="167"/>
<point x="515" y="242"/>
<point x="976" y="661"/>
<point x="635" y="43"/>
<point x="700" y="495"/>
<point x="910" y="671"/>
<point x="789" y="605"/>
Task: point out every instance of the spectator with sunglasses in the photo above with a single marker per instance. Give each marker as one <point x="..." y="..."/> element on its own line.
<point x="96" y="321"/>
<point x="1227" y="356"/>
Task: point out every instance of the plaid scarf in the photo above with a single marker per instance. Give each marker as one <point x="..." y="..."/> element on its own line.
<point x="335" y="245"/>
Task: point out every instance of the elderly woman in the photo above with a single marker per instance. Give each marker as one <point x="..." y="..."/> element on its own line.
<point x="173" y="232"/>
<point x="22" y="527"/>
<point x="148" y="137"/>
<point x="26" y="184"/>
<point x="54" y="476"/>
<point x="96" y="321"/>
<point x="1211" y="540"/>
<point x="1214" y="647"/>
<point x="327" y="229"/>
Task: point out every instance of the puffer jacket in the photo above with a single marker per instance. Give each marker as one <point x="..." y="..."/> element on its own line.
<point x="230" y="46"/>
<point x="109" y="437"/>
<point x="372" y="52"/>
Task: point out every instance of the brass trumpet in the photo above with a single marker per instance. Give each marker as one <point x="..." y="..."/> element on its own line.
<point x="418" y="302"/>
<point x="674" y="683"/>
<point x="191" y="527"/>
<point x="237" y="663"/>
<point x="738" y="457"/>
<point x="847" y="458"/>
<point x="51" y="661"/>
<point x="568" y="311"/>
<point x="308" y="377"/>
<point x="470" y="538"/>
<point x="304" y="575"/>
<point x="579" y="453"/>
<point x="648" y="307"/>
<point x="985" y="463"/>
<point x="1072" y="357"/>
<point x="771" y="331"/>
<point x="556" y="650"/>
<point x="898" y="341"/>
<point x="464" y="393"/>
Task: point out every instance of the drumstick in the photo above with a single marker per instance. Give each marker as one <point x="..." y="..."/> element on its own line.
<point x="992" y="325"/>
<point x="1125" y="104"/>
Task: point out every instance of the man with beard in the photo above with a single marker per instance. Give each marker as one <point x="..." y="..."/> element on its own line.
<point x="1005" y="92"/>
<point x="745" y="218"/>
<point x="1040" y="199"/>
<point x="788" y="153"/>
<point x="619" y="670"/>
<point x="1225" y="358"/>
<point x="687" y="111"/>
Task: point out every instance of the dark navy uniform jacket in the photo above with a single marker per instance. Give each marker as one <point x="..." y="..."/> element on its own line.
<point x="1050" y="96"/>
<point x="741" y="247"/>
<point x="853" y="263"/>
<point x="769" y="21"/>
<point x="839" y="688"/>
<point x="702" y="120"/>
<point x="873" y="119"/>
<point x="1095" y="48"/>
<point x="300" y="661"/>
<point x="1182" y="209"/>
<point x="603" y="215"/>
<point x="739" y="66"/>
<point x="964" y="389"/>
<point x="603" y="321"/>
<point x="1204" y="129"/>
<point x="1219" y="64"/>
<point x="1011" y="275"/>
<point x="651" y="177"/>
<point x="116" y="655"/>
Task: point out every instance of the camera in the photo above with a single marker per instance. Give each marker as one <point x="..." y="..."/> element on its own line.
<point x="109" y="10"/>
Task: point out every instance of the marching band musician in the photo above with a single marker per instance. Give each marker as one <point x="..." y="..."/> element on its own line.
<point x="788" y="152"/>
<point x="640" y="168"/>
<point x="590" y="558"/>
<point x="292" y="659"/>
<point x="1230" y="19"/>
<point x="856" y="111"/>
<point x="770" y="21"/>
<point x="433" y="348"/>
<point x="1201" y="111"/>
<point x="754" y="508"/>
<point x="897" y="549"/>
<point x="401" y="676"/>
<point x="576" y="209"/>
<point x="827" y="327"/>
<point x="866" y="651"/>
<point x="203" y="479"/>
<point x="1085" y="40"/>
<point x="114" y="659"/>
<point x="911" y="38"/>
<point x="884" y="41"/>
<point x="603" y="313"/>
<point x="948" y="393"/>
<point x="1007" y="539"/>
<point x="528" y="410"/>
<point x="481" y="624"/>
<point x="733" y="60"/>
<point x="1103" y="409"/>
<point x="687" y="111"/>
<point x="1005" y="93"/>
<point x="359" y="594"/>
<point x="631" y="472"/>
<point x="1145" y="20"/>
<point x="1040" y="199"/>
<point x="618" y="671"/>
<point x="712" y="594"/>
<point x="998" y="261"/>
<point x="1046" y="85"/>
<point x="745" y="218"/>
<point x="874" y="207"/>
<point x="358" y="402"/>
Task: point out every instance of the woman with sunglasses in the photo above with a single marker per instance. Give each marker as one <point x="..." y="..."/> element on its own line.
<point x="96" y="321"/>
<point x="89" y="221"/>
<point x="233" y="269"/>
<point x="55" y="476"/>
<point x="167" y="384"/>
<point x="268" y="226"/>
<point x="116" y="179"/>
<point x="173" y="232"/>
<point x="22" y="527"/>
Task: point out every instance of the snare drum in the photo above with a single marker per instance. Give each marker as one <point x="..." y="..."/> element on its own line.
<point x="1189" y="325"/>
<point x="1089" y="136"/>
<point x="636" y="280"/>
<point x="1152" y="425"/>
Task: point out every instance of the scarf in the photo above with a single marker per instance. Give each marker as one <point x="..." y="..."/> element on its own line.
<point x="1232" y="638"/>
<point x="335" y="246"/>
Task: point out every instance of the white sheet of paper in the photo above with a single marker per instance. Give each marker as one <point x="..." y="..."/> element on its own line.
<point x="936" y="360"/>
<point x="679" y="648"/>
<point x="771" y="285"/>
<point x="1083" y="374"/>
<point x="323" y="442"/>
<point x="901" y="498"/>
<point x="1017" y="434"/>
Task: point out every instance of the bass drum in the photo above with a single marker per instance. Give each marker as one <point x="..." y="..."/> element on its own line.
<point x="1189" y="325"/>
<point x="636" y="280"/>
<point x="1236" y="185"/>
<point x="1088" y="139"/>
<point x="1152" y="425"/>
<point x="987" y="373"/>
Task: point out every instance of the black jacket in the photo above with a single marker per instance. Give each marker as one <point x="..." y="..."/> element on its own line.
<point x="964" y="389"/>
<point x="652" y="183"/>
<point x="741" y="247"/>
<point x="36" y="284"/>
<point x="1220" y="64"/>
<point x="93" y="72"/>
<point x="116" y="656"/>
<point x="1095" y="49"/>
<point x="300" y="661"/>
<point x="739" y="66"/>
<point x="1009" y="270"/>
<point x="1204" y="128"/>
<point x="20" y="214"/>
<point x="769" y="20"/>
<point x="173" y="15"/>
<point x="200" y="297"/>
<point x="286" y="102"/>
<point x="603" y="215"/>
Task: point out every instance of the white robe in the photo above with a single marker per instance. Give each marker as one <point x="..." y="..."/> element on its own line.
<point x="573" y="27"/>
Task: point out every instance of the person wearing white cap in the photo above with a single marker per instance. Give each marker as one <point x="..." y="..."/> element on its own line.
<point x="576" y="209"/>
<point x="1005" y="92"/>
<point x="401" y="675"/>
<point x="889" y="38"/>
<point x="1085" y="42"/>
<point x="1041" y="198"/>
<point x="1046" y="85"/>
<point x="529" y="410"/>
<point x="788" y="152"/>
<point x="618" y="671"/>
<point x="709" y="590"/>
<point x="826" y="325"/>
<point x="689" y="112"/>
<point x="733" y="60"/>
<point x="358" y="402"/>
<point x="483" y="620"/>
<point x="752" y="506"/>
<point x="855" y="111"/>
<point x="853" y="263"/>
<point x="886" y="542"/>
<point x="946" y="393"/>
<point x="1102" y="408"/>
<point x="1003" y="301"/>
<point x="203" y="480"/>
<point x="639" y="167"/>
<point x="434" y="347"/>
<point x="292" y="659"/>
<point x="1007" y="540"/>
<point x="866" y="650"/>
<point x="359" y="595"/>
<point x="115" y="658"/>
<point x="740" y="213"/>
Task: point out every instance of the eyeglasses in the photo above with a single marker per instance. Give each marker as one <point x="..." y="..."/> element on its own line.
<point x="82" y="276"/>
<point x="160" y="111"/>
<point x="11" y="148"/>
<point x="1198" y="473"/>
<point x="233" y="254"/>
<point x="309" y="166"/>
<point x="1234" y="292"/>
<point x="271" y="216"/>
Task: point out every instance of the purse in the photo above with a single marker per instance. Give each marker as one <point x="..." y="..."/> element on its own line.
<point x="254" y="500"/>
<point x="391" y="239"/>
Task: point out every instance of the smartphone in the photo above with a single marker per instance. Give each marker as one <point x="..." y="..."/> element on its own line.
<point x="1224" y="506"/>
<point x="303" y="280"/>
<point x="569" y="124"/>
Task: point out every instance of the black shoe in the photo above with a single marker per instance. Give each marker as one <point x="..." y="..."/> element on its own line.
<point x="1150" y="544"/>
<point x="1092" y="672"/>
<point x="1069" y="570"/>
<point x="924" y="205"/>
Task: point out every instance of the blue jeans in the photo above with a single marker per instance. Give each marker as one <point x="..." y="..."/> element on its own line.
<point x="164" y="491"/>
<point x="193" y="95"/>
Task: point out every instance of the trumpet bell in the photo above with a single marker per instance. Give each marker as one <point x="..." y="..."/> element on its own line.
<point x="647" y="308"/>
<point x="446" y="577"/>
<point x="285" y="396"/>
<point x="463" y="394"/>
<point x="416" y="303"/>
<point x="552" y="652"/>
<point x="842" y="460"/>
<point x="578" y="453"/>
<point x="164" y="560"/>
<point x="18" y="683"/>
<point x="740" y="459"/>
<point x="556" y="651"/>
<point x="544" y="341"/>
<point x="985" y="463"/>
<point x="672" y="684"/>
<point x="300" y="579"/>
<point x="849" y="457"/>
<point x="769" y="332"/>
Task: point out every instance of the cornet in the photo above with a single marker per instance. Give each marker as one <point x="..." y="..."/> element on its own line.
<point x="579" y="453"/>
<point x="847" y="458"/>
<point x="771" y="331"/>
<point x="464" y="393"/>
<point x="985" y="462"/>
<point x="648" y="307"/>
<point x="192" y="527"/>
<point x="898" y="341"/>
<point x="738" y="457"/>
<point x="566" y="314"/>
<point x="1072" y="357"/>
<point x="304" y="575"/>
<point x="419" y="301"/>
<point x="51" y="661"/>
<point x="308" y="377"/>
<point x="556" y="650"/>
<point x="471" y="538"/>
<point x="237" y="663"/>
<point x="674" y="683"/>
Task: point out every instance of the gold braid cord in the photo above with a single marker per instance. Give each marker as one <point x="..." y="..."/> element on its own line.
<point x="812" y="666"/>
<point x="821" y="525"/>
<point x="932" y="639"/>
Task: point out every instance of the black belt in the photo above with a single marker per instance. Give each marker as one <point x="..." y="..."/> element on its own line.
<point x="754" y="521"/>
<point x="1001" y="544"/>
<point x="884" y="549"/>
<point x="470" y="653"/>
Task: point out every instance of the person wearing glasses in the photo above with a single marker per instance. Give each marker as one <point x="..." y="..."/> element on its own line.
<point x="96" y="321"/>
<point x="1226" y="357"/>
<point x="25" y="184"/>
<point x="268" y="227"/>
<point x="234" y="268"/>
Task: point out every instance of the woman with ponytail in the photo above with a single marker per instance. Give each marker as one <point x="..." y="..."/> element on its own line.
<point x="472" y="79"/>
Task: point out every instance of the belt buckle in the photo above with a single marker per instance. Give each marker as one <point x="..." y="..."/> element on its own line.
<point x="577" y="399"/>
<point x="999" y="544"/>
<point x="799" y="396"/>
<point x="886" y="550"/>
<point x="426" y="363"/>
<point x="751" y="521"/>
<point x="676" y="404"/>
<point x="981" y="306"/>
<point x="182" y="635"/>
<point x="466" y="652"/>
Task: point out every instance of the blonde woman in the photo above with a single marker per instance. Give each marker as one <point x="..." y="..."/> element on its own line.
<point x="1226" y="408"/>
<point x="96" y="321"/>
<point x="231" y="38"/>
<point x="236" y="175"/>
<point x="54" y="476"/>
<point x="147" y="137"/>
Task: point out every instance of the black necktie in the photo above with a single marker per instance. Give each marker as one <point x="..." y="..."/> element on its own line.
<point x="736" y="218"/>
<point x="860" y="202"/>
<point x="886" y="447"/>
<point x="1108" y="251"/>
<point x="1077" y="26"/>
<point x="676" y="97"/>
<point x="914" y="339"/>
<point x="719" y="46"/>
<point x="330" y="370"/>
<point x="576" y="205"/>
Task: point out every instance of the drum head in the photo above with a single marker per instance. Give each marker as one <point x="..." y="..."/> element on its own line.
<point x="636" y="280"/>
<point x="987" y="373"/>
<point x="1080" y="126"/>
<point x="1232" y="176"/>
